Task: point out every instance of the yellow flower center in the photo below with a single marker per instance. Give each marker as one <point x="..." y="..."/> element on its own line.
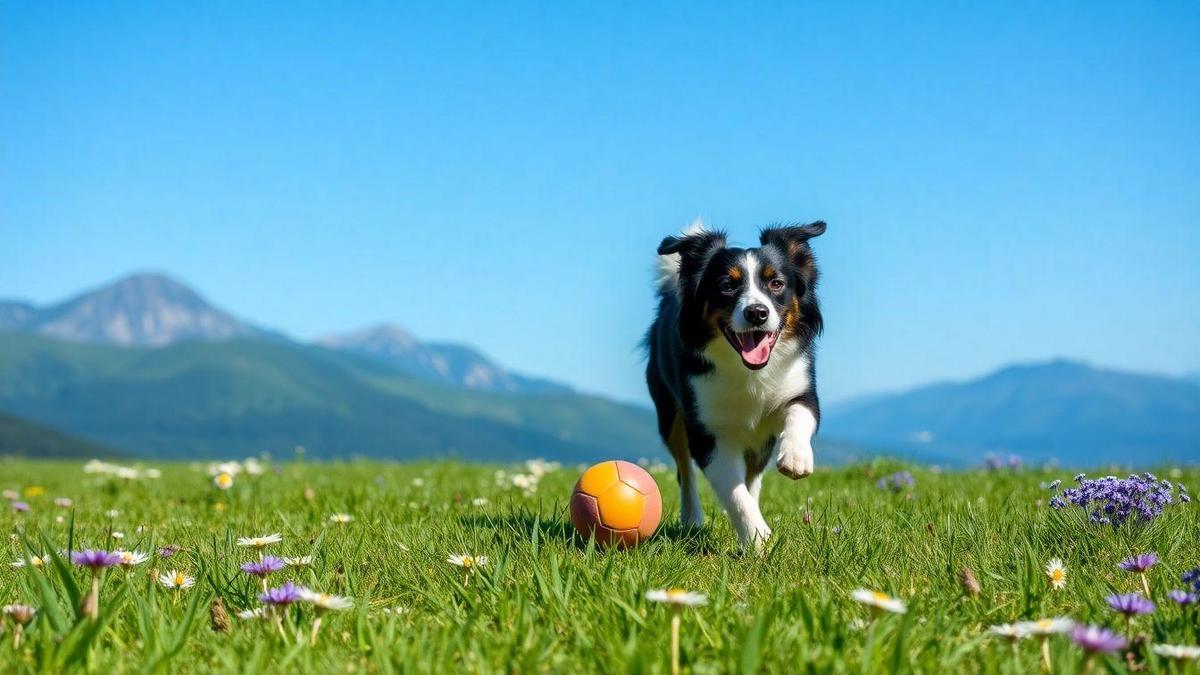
<point x="179" y="578"/>
<point x="881" y="597"/>
<point x="1057" y="574"/>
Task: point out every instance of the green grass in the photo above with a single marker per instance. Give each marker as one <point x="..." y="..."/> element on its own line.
<point x="548" y="602"/>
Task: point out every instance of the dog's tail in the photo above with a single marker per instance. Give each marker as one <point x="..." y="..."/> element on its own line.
<point x="668" y="264"/>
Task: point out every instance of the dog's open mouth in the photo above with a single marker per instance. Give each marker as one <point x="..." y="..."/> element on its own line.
<point x="754" y="346"/>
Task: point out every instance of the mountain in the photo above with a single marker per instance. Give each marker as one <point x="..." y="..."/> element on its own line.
<point x="139" y="310"/>
<point x="154" y="310"/>
<point x="448" y="364"/>
<point x="192" y="399"/>
<point x="1064" y="410"/>
<point x="23" y="438"/>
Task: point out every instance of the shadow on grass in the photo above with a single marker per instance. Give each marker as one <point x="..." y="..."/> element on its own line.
<point x="696" y="541"/>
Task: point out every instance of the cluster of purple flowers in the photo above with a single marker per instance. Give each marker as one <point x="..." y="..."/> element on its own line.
<point x="263" y="567"/>
<point x="282" y="596"/>
<point x="1139" y="563"/>
<point x="95" y="560"/>
<point x="1192" y="578"/>
<point x="896" y="482"/>
<point x="1094" y="639"/>
<point x="1112" y="501"/>
<point x="998" y="462"/>
<point x="1130" y="604"/>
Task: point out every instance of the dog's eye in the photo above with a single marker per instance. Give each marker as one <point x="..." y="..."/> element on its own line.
<point x="776" y="285"/>
<point x="727" y="286"/>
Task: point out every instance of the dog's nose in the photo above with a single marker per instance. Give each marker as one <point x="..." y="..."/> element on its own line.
<point x="756" y="314"/>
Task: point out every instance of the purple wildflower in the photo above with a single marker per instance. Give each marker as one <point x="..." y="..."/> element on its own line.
<point x="281" y="596"/>
<point x="896" y="481"/>
<point x="168" y="551"/>
<point x="1079" y="477"/>
<point x="261" y="568"/>
<point x="95" y="560"/>
<point x="20" y="507"/>
<point x="1139" y="563"/>
<point x="1130" y="604"/>
<point x="1094" y="639"/>
<point x="1014" y="462"/>
<point x="1054" y="485"/>
<point x="1112" y="500"/>
<point x="1192" y="578"/>
<point x="1183" y="597"/>
<point x="993" y="463"/>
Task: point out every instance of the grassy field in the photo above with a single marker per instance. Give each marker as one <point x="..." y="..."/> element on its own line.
<point x="547" y="602"/>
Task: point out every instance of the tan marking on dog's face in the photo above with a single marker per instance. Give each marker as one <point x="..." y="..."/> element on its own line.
<point x="791" y="318"/>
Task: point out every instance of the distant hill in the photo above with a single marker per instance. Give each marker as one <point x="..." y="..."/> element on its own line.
<point x="138" y="310"/>
<point x="1069" y="411"/>
<point x="155" y="310"/>
<point x="448" y="364"/>
<point x="245" y="396"/>
<point x="23" y="438"/>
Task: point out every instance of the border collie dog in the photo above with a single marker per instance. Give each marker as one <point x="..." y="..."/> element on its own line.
<point x="731" y="365"/>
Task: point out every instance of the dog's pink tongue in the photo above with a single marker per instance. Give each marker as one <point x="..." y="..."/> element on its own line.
<point x="755" y="347"/>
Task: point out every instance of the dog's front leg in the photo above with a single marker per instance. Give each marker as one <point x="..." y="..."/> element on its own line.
<point x="727" y="475"/>
<point x="795" y="458"/>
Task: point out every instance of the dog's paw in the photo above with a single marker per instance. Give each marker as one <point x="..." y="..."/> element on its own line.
<point x="756" y="539"/>
<point x="795" y="458"/>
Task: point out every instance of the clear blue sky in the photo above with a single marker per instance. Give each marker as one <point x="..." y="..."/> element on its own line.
<point x="1002" y="181"/>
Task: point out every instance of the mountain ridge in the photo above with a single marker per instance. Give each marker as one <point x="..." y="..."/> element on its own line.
<point x="1062" y="409"/>
<point x="153" y="309"/>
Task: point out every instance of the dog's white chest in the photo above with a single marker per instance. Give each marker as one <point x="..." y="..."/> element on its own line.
<point x="744" y="407"/>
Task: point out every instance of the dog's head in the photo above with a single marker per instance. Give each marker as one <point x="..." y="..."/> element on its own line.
<point x="752" y="297"/>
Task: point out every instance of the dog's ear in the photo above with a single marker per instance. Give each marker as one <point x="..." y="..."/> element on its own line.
<point x="694" y="249"/>
<point x="792" y="240"/>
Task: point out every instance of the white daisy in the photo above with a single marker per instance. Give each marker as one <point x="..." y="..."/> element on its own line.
<point x="260" y="542"/>
<point x="32" y="561"/>
<point x="677" y="596"/>
<point x="1053" y="626"/>
<point x="879" y="600"/>
<point x="256" y="613"/>
<point x="176" y="580"/>
<point x="468" y="562"/>
<point x="1009" y="631"/>
<point x="11" y="495"/>
<point x="223" y="481"/>
<point x="325" y="601"/>
<point x="131" y="558"/>
<point x="1057" y="572"/>
<point x="112" y="513"/>
<point x="299" y="561"/>
<point x="341" y="518"/>
<point x="64" y="502"/>
<point x="117" y="534"/>
<point x="1179" y="652"/>
<point x="479" y="501"/>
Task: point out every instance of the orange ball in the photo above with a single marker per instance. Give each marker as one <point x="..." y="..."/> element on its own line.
<point x="618" y="501"/>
